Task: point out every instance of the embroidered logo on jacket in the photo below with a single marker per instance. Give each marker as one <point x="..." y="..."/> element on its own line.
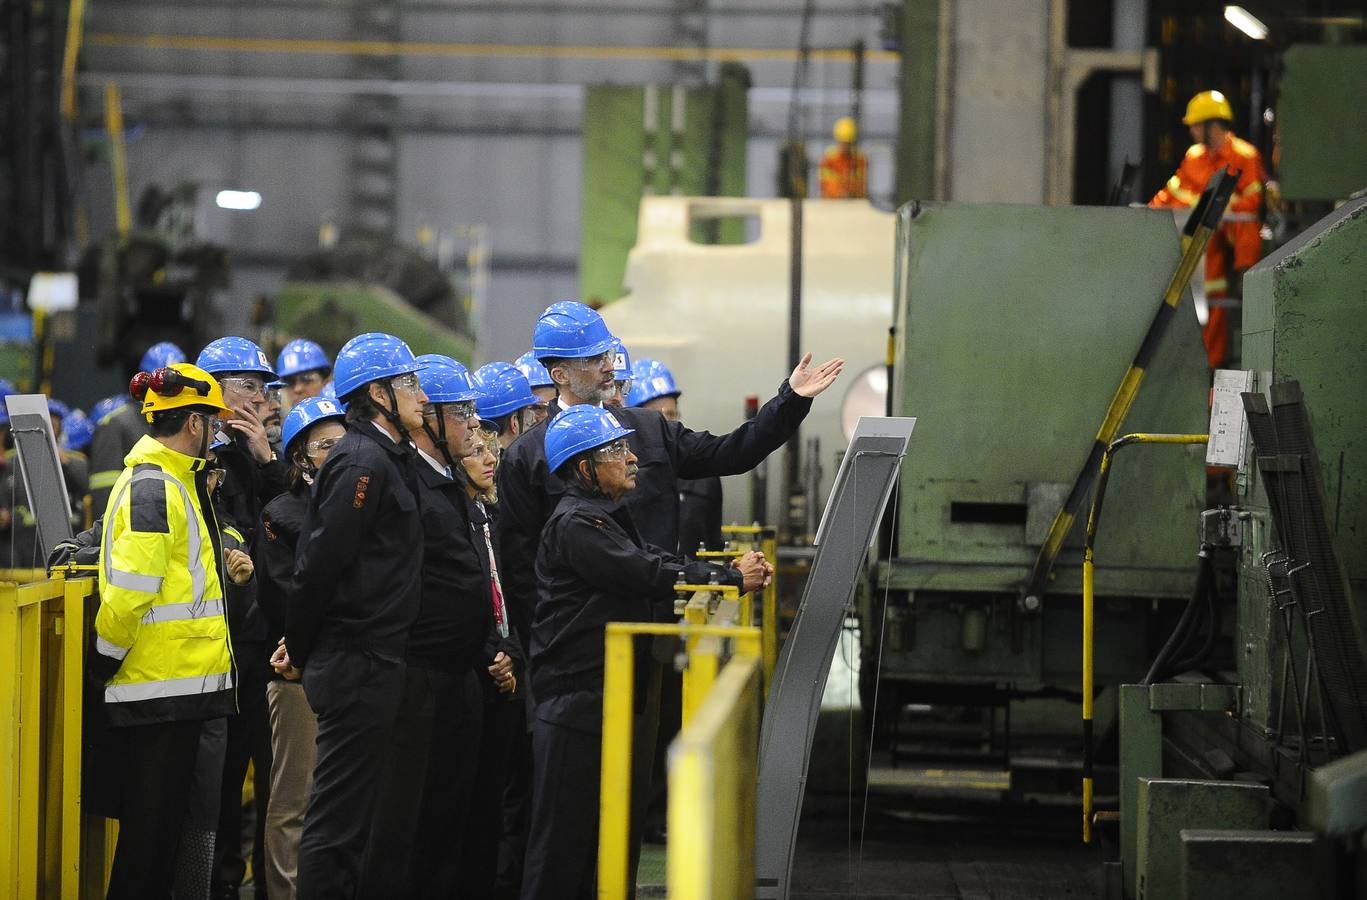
<point x="362" y="484"/>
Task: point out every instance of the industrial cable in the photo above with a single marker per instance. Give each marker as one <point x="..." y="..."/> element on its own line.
<point x="1181" y="632"/>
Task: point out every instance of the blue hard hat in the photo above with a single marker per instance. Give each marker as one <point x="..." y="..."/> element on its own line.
<point x="444" y="380"/>
<point x="77" y="431"/>
<point x="301" y="355"/>
<point x="305" y="414"/>
<point x="531" y="367"/>
<point x="503" y="389"/>
<point x="330" y="391"/>
<point x="621" y="361"/>
<point x="650" y="379"/>
<point x="159" y="356"/>
<point x="7" y="387"/>
<point x="368" y="357"/>
<point x="57" y="408"/>
<point x="235" y="354"/>
<point x="580" y="428"/>
<point x="570" y="330"/>
<point x="104" y="407"/>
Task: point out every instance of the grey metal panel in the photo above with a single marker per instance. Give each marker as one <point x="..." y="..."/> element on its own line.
<point x="861" y="492"/>
<point x="31" y="428"/>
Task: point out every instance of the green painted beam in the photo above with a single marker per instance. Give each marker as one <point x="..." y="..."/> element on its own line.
<point x="916" y="133"/>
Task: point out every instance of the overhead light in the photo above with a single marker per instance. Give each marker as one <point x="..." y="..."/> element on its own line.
<point x="238" y="199"/>
<point x="1246" y="22"/>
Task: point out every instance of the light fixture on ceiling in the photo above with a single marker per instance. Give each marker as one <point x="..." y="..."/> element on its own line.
<point x="246" y="200"/>
<point x="1246" y="22"/>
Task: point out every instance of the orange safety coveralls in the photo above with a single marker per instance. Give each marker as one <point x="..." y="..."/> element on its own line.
<point x="844" y="174"/>
<point x="1238" y="239"/>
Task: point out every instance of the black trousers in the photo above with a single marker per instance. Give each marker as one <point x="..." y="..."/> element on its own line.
<point x="414" y="848"/>
<point x="517" y="811"/>
<point x="156" y="774"/>
<point x="249" y="740"/>
<point x="562" y="840"/>
<point x="356" y="694"/>
<point x="504" y="726"/>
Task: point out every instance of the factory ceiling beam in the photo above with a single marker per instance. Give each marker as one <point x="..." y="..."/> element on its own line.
<point x="511" y="9"/>
<point x="315" y="47"/>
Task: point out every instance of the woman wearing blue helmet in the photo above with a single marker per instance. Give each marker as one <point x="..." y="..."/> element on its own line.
<point x="592" y="568"/>
<point x="310" y="431"/>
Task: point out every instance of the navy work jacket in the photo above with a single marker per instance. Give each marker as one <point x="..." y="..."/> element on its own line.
<point x="592" y="569"/>
<point x="665" y="451"/>
<point x="357" y="572"/>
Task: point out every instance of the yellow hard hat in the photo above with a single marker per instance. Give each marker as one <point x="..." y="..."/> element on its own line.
<point x="845" y="130"/>
<point x="174" y="387"/>
<point x="1208" y="105"/>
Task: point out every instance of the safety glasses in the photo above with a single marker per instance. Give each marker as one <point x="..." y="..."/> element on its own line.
<point x="589" y="363"/>
<point x="244" y="384"/>
<point x="616" y="451"/>
<point x="623" y="386"/>
<point x="407" y="383"/>
<point x="322" y="445"/>
<point x="465" y="409"/>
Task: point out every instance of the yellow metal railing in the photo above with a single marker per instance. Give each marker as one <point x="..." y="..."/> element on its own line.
<point x="618" y="702"/>
<point x="741" y="539"/>
<point x="42" y="638"/>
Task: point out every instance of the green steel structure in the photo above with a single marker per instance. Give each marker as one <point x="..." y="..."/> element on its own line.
<point x="1014" y="326"/>
<point x="1322" y="122"/>
<point x="333" y="312"/>
<point x="656" y="139"/>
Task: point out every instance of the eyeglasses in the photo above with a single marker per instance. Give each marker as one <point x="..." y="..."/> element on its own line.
<point x="321" y="445"/>
<point x="623" y="386"/>
<point x="303" y="378"/>
<point x="244" y="384"/>
<point x="407" y="383"/>
<point x="617" y="450"/>
<point x="274" y="394"/>
<point x="537" y="412"/>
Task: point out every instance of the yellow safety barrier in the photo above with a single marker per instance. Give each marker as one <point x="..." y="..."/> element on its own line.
<point x="712" y="775"/>
<point x="618" y="702"/>
<point x="42" y="638"/>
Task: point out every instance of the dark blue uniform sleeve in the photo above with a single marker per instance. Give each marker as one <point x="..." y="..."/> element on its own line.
<point x="345" y="505"/>
<point x="606" y="558"/>
<point x="698" y="454"/>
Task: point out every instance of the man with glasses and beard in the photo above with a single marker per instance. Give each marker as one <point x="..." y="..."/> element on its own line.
<point x="357" y="590"/>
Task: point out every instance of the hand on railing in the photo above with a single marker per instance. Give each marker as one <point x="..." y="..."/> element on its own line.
<point x="754" y="569"/>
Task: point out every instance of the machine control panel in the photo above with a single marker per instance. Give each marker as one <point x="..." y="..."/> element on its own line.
<point x="1228" y="445"/>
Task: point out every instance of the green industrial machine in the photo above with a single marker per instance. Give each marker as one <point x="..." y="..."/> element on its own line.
<point x="366" y="284"/>
<point x="656" y="139"/>
<point x="1288" y="719"/>
<point x="1014" y="325"/>
<point x="1322" y="122"/>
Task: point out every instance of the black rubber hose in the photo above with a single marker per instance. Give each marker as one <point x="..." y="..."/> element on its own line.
<point x="1181" y="634"/>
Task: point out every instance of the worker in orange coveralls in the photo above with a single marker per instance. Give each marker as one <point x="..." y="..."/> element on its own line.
<point x="844" y="168"/>
<point x="1238" y="243"/>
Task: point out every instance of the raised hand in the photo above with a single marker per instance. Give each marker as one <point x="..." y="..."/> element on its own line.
<point x="808" y="382"/>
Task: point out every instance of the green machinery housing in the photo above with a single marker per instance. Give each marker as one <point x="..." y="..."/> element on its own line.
<point x="1239" y="778"/>
<point x="1014" y="324"/>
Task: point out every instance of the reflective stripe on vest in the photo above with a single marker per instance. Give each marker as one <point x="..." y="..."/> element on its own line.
<point x="169" y="687"/>
<point x="177" y="612"/>
<point x="151" y="584"/>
